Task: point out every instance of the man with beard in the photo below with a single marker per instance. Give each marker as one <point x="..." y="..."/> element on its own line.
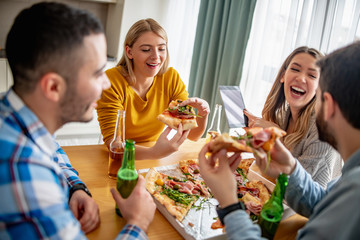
<point x="57" y="55"/>
<point x="333" y="213"/>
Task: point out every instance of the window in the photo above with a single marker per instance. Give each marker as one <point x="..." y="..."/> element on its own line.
<point x="279" y="26"/>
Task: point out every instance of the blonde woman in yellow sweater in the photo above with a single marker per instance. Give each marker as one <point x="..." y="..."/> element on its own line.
<point x="290" y="105"/>
<point x="143" y="86"/>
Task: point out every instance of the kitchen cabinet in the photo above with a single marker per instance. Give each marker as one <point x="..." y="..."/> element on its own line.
<point x="110" y="13"/>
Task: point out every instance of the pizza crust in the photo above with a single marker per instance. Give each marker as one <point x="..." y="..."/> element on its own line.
<point x="248" y="198"/>
<point x="177" y="210"/>
<point x="184" y="164"/>
<point x="245" y="164"/>
<point x="150" y="180"/>
<point x="264" y="193"/>
<point x="174" y="122"/>
<point x="188" y="124"/>
<point x="277" y="131"/>
<point x="224" y="141"/>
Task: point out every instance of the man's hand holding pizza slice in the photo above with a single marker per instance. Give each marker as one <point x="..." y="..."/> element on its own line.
<point x="257" y="140"/>
<point x="282" y="161"/>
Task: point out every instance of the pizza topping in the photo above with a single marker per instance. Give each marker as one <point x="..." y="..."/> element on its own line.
<point x="181" y="111"/>
<point x="204" y="190"/>
<point x="252" y="191"/>
<point x="260" y="138"/>
<point x="177" y="196"/>
<point x="175" y="115"/>
<point x="253" y="207"/>
<point x="217" y="224"/>
<point x="159" y="181"/>
<point x="240" y="176"/>
<point x="193" y="169"/>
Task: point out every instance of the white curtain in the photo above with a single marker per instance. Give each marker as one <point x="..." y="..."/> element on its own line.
<point x="180" y="25"/>
<point x="279" y="26"/>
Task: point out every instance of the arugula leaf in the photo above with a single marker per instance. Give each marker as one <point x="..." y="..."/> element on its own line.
<point x="268" y="161"/>
<point x="242" y="174"/>
<point x="202" y="205"/>
<point x="188" y="110"/>
<point x="254" y="218"/>
<point x="177" y="196"/>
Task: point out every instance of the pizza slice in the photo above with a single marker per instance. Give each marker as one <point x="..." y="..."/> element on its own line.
<point x="252" y="204"/>
<point x="254" y="140"/>
<point x="175" y="114"/>
<point x="245" y="164"/>
<point x="176" y="195"/>
<point x="224" y="141"/>
<point x="264" y="193"/>
<point x="191" y="169"/>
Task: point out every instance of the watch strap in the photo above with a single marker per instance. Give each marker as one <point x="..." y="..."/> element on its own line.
<point x="222" y="212"/>
<point x="79" y="186"/>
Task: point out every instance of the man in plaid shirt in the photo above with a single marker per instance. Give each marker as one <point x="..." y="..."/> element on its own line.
<point x="57" y="55"/>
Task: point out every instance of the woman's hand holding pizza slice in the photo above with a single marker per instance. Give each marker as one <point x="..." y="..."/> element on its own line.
<point x="201" y="105"/>
<point x="176" y="114"/>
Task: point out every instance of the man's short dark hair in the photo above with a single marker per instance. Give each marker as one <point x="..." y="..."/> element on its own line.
<point x="45" y="38"/>
<point x="340" y="76"/>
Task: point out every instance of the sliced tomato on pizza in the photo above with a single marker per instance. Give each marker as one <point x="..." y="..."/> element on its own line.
<point x="175" y="114"/>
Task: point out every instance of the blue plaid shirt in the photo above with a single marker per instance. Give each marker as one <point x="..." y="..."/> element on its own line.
<point x="34" y="177"/>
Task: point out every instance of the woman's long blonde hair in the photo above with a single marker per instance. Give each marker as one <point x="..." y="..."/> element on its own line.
<point x="275" y="106"/>
<point x="136" y="30"/>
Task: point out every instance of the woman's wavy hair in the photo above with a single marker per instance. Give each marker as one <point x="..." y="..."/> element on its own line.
<point x="276" y="105"/>
<point x="136" y="30"/>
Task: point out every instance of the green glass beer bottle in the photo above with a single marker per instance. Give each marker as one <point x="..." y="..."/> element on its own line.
<point x="127" y="175"/>
<point x="272" y="211"/>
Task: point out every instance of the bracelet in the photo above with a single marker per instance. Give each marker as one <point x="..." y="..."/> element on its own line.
<point x="79" y="186"/>
<point x="222" y="212"/>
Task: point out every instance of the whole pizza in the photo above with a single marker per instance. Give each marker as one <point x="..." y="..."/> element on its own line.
<point x="179" y="192"/>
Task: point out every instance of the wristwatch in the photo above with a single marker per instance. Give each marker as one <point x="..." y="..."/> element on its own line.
<point x="79" y="186"/>
<point x="222" y="212"/>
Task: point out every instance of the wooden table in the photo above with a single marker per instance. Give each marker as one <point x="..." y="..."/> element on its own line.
<point x="91" y="161"/>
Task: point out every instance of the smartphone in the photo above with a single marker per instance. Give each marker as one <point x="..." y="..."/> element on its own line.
<point x="234" y="106"/>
